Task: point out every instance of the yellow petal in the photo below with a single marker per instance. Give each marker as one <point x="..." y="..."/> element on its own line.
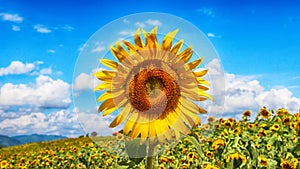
<point x="109" y="63"/>
<point x="122" y="116"/>
<point x="201" y="73"/>
<point x="109" y="111"/>
<point x="117" y="54"/>
<point x="179" y="127"/>
<point x="104" y="96"/>
<point x="195" y="63"/>
<point x="103" y="86"/>
<point x="130" y="122"/>
<point x="151" y="41"/>
<point x="121" y="50"/>
<point x="202" y="93"/>
<point x="177" y="47"/>
<point x="202" y="81"/>
<point x="167" y="42"/>
<point x="186" y="54"/>
<point x="130" y="47"/>
<point x="137" y="39"/>
<point x="107" y="104"/>
<point x="161" y="128"/>
<point x="190" y="116"/>
<point x="200" y="87"/>
<point x="152" y="132"/>
<point x="104" y="75"/>
<point x="189" y="105"/>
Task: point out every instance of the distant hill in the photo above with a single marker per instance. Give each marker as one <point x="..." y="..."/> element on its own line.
<point x="37" y="138"/>
<point x="23" y="139"/>
<point x="6" y="141"/>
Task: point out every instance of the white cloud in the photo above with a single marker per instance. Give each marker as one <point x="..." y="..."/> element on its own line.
<point x="82" y="46"/>
<point x="44" y="93"/>
<point x="211" y="35"/>
<point x="241" y="93"/>
<point x="15" y="28"/>
<point x="84" y="82"/>
<point x="207" y="11"/>
<point x="126" y="32"/>
<point x="140" y="24"/>
<point x="51" y="51"/>
<point x="41" y="28"/>
<point x="150" y="22"/>
<point x="46" y="71"/>
<point x="126" y="21"/>
<point x="67" y="28"/>
<point x="94" y="122"/>
<point x="17" y="67"/>
<point x="11" y="17"/>
<point x="153" y="22"/>
<point x="61" y="122"/>
<point x="99" y="48"/>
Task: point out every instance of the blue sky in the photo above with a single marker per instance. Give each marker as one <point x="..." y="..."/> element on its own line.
<point x="257" y="43"/>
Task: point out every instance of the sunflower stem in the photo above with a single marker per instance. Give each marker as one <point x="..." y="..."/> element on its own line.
<point x="149" y="164"/>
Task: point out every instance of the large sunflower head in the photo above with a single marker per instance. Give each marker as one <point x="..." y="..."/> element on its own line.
<point x="154" y="87"/>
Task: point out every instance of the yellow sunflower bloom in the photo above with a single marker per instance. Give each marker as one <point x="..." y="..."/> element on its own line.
<point x="286" y="165"/>
<point x="154" y="87"/>
<point x="263" y="161"/>
<point x="264" y="113"/>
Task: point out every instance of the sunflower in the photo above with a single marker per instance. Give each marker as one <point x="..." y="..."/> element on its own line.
<point x="286" y="165"/>
<point x="4" y="164"/>
<point x="218" y="143"/>
<point x="263" y="161"/>
<point x="209" y="154"/>
<point x="269" y="146"/>
<point x="153" y="86"/>
<point x="295" y="161"/>
<point x="162" y="166"/>
<point x="211" y="119"/>
<point x="282" y="112"/>
<point x="209" y="166"/>
<point x="275" y="127"/>
<point x="163" y="159"/>
<point x="264" y="113"/>
<point x="192" y="155"/>
<point x="247" y="113"/>
<point x="237" y="157"/>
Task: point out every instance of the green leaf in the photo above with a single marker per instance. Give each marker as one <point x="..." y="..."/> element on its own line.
<point x="135" y="150"/>
<point x="194" y="141"/>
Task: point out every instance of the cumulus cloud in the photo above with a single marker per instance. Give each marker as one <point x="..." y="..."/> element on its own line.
<point x="99" y="48"/>
<point x="207" y="11"/>
<point x="126" y="21"/>
<point x="11" y="17"/>
<point x="211" y="35"/>
<point x="140" y="24"/>
<point x="41" y="28"/>
<point x="51" y="51"/>
<point x="46" y="71"/>
<point x="61" y="122"/>
<point x="150" y="22"/>
<point x="16" y="28"/>
<point x="17" y="67"/>
<point x="44" y="93"/>
<point x="240" y="93"/>
<point x="153" y="22"/>
<point x="84" y="82"/>
<point x="67" y="28"/>
<point x="127" y="32"/>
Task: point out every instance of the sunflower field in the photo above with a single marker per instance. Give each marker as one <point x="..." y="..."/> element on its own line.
<point x="270" y="141"/>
